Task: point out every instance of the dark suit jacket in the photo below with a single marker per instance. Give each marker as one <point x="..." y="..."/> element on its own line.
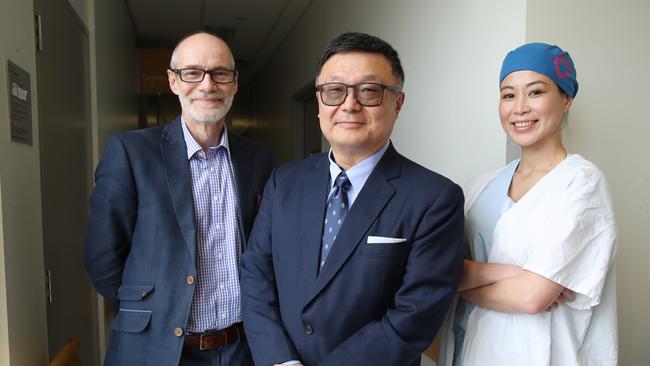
<point x="371" y="304"/>
<point x="141" y="239"/>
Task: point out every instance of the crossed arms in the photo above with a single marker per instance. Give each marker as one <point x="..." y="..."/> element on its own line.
<point x="510" y="289"/>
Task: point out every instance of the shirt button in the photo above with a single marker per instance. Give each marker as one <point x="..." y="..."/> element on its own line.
<point x="224" y="315"/>
<point x="178" y="332"/>
<point x="221" y="286"/>
<point x="215" y="199"/>
<point x="308" y="329"/>
<point x="190" y="280"/>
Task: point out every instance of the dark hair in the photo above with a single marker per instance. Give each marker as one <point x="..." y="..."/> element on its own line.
<point x="362" y="42"/>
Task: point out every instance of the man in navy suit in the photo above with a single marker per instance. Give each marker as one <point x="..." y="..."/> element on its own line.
<point x="355" y="255"/>
<point x="170" y="215"/>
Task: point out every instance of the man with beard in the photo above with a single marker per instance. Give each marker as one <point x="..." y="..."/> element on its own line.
<point x="170" y="215"/>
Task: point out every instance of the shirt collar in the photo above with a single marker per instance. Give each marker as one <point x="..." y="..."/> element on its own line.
<point x="193" y="146"/>
<point x="360" y="172"/>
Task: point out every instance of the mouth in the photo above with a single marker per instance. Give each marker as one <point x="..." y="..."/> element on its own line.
<point x="208" y="99"/>
<point x="349" y="123"/>
<point x="523" y="124"/>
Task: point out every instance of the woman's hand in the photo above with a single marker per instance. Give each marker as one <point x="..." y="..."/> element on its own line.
<point x="565" y="296"/>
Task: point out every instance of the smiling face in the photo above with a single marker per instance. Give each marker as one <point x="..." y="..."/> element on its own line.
<point x="355" y="131"/>
<point x="532" y="109"/>
<point x="207" y="101"/>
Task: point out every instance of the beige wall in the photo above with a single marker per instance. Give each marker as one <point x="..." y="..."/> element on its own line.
<point x="23" y="329"/>
<point x="609" y="125"/>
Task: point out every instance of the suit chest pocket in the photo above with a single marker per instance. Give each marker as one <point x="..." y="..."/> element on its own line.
<point x="385" y="249"/>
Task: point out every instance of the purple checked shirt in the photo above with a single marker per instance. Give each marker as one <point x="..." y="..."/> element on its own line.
<point x="216" y="301"/>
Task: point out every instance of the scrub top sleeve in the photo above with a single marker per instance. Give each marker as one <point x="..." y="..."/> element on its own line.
<point x="579" y="240"/>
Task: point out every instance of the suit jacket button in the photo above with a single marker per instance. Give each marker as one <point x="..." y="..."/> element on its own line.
<point x="308" y="329"/>
<point x="190" y="280"/>
<point x="178" y="332"/>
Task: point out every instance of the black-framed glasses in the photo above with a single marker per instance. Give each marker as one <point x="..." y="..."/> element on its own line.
<point x="367" y="94"/>
<point x="219" y="76"/>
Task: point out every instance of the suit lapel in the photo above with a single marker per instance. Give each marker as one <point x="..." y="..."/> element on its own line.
<point x="240" y="157"/>
<point x="314" y="195"/>
<point x="177" y="168"/>
<point x="370" y="202"/>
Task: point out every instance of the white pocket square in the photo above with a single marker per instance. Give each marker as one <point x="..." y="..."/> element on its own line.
<point x="384" y="240"/>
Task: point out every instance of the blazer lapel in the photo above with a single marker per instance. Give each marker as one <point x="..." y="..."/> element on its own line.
<point x="177" y="167"/>
<point x="370" y="202"/>
<point x="314" y="195"/>
<point x="240" y="158"/>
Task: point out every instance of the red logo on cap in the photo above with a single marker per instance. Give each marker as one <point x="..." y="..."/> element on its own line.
<point x="559" y="59"/>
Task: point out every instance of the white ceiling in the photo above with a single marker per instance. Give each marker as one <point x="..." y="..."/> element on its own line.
<point x="253" y="28"/>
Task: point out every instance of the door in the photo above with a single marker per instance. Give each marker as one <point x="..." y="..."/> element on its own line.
<point x="63" y="80"/>
<point x="307" y="138"/>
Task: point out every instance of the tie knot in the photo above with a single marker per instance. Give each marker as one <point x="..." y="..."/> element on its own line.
<point x="342" y="181"/>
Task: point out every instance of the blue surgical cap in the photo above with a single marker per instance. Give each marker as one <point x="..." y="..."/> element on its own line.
<point x="546" y="59"/>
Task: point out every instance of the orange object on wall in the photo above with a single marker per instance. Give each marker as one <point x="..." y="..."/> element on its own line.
<point x="153" y="63"/>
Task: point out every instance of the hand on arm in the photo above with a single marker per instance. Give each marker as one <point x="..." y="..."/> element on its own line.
<point x="526" y="293"/>
<point x="565" y="296"/>
<point x="478" y="274"/>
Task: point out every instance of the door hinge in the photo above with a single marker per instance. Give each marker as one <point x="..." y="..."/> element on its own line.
<point x="48" y="286"/>
<point x="38" y="23"/>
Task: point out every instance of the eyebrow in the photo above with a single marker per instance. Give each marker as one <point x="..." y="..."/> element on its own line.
<point x="527" y="85"/>
<point x="366" y="78"/>
<point x="192" y="66"/>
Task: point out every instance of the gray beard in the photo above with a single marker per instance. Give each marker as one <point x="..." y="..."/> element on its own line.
<point x="211" y="118"/>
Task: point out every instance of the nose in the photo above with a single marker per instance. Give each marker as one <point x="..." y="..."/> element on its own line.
<point x="207" y="83"/>
<point x="521" y="105"/>
<point x="351" y="103"/>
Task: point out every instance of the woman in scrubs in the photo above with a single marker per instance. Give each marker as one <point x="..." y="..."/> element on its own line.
<point x="539" y="288"/>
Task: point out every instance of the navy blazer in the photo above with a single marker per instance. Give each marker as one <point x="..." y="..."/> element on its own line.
<point x="141" y="239"/>
<point x="372" y="303"/>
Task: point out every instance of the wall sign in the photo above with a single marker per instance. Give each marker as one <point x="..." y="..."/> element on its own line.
<point x="20" y="104"/>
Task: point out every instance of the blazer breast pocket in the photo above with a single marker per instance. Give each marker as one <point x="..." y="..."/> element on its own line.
<point x="385" y="246"/>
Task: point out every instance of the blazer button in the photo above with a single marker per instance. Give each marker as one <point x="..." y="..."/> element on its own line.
<point x="178" y="332"/>
<point x="190" y="280"/>
<point x="308" y="329"/>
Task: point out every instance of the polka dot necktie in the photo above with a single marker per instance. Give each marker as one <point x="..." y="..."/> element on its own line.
<point x="337" y="209"/>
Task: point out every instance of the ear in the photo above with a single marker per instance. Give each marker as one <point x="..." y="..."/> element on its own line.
<point x="235" y="84"/>
<point x="399" y="102"/>
<point x="567" y="104"/>
<point x="173" y="81"/>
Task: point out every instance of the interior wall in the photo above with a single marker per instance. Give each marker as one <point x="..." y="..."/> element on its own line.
<point x="114" y="73"/>
<point x="23" y="329"/>
<point x="4" y="328"/>
<point x="608" y="125"/>
<point x="114" y="87"/>
<point x="83" y="10"/>
<point x="291" y="68"/>
<point x="451" y="53"/>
